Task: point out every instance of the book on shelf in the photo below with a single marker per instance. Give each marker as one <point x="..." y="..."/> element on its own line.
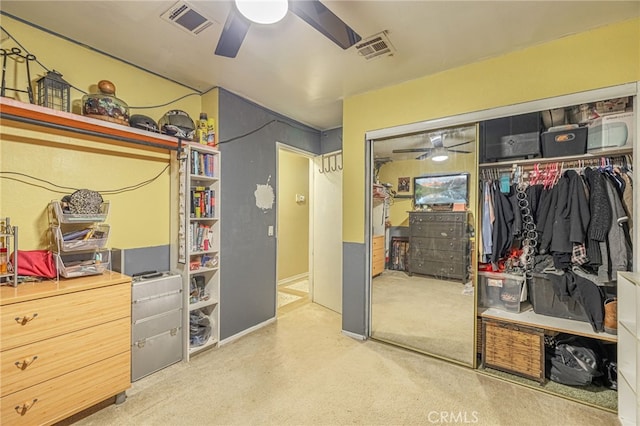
<point x="203" y="164"/>
<point x="203" y="202"/>
<point x="201" y="237"/>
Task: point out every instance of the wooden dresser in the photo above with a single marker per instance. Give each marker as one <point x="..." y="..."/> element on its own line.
<point x="65" y="346"/>
<point x="377" y="255"/>
<point x="439" y="244"/>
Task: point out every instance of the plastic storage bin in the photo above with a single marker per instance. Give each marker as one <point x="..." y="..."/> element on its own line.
<point x="611" y="131"/>
<point x="82" y="238"/>
<point x="560" y="143"/>
<point x="545" y="301"/>
<point x="502" y="291"/>
<point x="80" y="218"/>
<point x="82" y="264"/>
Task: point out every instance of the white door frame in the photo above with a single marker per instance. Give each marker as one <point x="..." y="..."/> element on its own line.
<point x="310" y="156"/>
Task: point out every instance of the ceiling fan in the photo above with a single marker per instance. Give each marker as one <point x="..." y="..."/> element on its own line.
<point x="437" y="151"/>
<point x="313" y="12"/>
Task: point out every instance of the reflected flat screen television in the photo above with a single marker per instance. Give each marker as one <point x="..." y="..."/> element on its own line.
<point x="440" y="189"/>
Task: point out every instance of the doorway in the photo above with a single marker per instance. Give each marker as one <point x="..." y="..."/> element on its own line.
<point x="308" y="228"/>
<point x="293" y="229"/>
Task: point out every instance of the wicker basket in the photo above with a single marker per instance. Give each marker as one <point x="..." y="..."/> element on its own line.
<point x="513" y="348"/>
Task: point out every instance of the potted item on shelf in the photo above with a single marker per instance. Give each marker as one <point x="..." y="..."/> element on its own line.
<point x="105" y="105"/>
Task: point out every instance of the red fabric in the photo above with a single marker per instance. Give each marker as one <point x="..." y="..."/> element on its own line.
<point x="35" y="263"/>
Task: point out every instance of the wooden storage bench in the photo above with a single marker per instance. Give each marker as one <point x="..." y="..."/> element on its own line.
<point x="513" y="348"/>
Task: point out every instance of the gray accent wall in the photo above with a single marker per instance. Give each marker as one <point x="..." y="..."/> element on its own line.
<point x="354" y="289"/>
<point x="331" y="140"/>
<point x="248" y="134"/>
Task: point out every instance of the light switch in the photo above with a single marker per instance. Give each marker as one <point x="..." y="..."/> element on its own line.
<point x="270" y="231"/>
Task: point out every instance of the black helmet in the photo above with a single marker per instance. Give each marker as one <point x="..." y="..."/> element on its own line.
<point x="177" y="123"/>
<point x="143" y="122"/>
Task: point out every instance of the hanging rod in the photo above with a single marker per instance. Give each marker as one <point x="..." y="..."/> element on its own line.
<point x="593" y="154"/>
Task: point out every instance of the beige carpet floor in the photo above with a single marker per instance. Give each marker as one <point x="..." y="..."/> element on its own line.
<point x="301" y="370"/>
<point x="425" y="314"/>
<point x="292" y="295"/>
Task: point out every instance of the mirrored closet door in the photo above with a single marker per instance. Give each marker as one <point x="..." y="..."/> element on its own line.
<point x="423" y="213"/>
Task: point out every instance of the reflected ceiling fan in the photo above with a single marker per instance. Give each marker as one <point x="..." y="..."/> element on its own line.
<point x="312" y="12"/>
<point x="437" y="151"/>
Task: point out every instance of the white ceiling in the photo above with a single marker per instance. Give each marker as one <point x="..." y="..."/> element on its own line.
<point x="291" y="68"/>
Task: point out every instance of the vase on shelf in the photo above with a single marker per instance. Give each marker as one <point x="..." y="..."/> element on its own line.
<point x="105" y="105"/>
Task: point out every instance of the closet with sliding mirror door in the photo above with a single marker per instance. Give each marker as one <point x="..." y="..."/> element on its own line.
<point x="423" y="212"/>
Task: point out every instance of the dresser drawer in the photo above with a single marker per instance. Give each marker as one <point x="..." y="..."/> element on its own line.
<point x="438" y="269"/>
<point x="378" y="242"/>
<point x="438" y="230"/>
<point x="58" y="398"/>
<point x="377" y="264"/>
<point x="443" y="255"/>
<point x="450" y="244"/>
<point x="31" y="364"/>
<point x="40" y="319"/>
<point x="436" y="217"/>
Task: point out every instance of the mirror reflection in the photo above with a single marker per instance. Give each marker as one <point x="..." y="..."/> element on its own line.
<point x="422" y="216"/>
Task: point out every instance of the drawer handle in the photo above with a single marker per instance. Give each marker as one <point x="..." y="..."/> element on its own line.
<point x="25" y="319"/>
<point x="22" y="410"/>
<point x="24" y="364"/>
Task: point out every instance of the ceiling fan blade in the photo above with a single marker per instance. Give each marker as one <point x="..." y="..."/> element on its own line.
<point x="400" y="151"/>
<point x="461" y="143"/>
<point x="457" y="150"/>
<point x="233" y="33"/>
<point x="322" y="19"/>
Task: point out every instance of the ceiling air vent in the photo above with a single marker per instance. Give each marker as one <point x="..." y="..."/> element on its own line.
<point x="375" y="46"/>
<point x="187" y="18"/>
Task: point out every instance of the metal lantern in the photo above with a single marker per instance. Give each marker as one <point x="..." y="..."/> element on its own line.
<point x="54" y="92"/>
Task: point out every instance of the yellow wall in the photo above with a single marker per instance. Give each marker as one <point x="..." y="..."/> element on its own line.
<point x="603" y="57"/>
<point x="138" y="218"/>
<point x="390" y="172"/>
<point x="293" y="217"/>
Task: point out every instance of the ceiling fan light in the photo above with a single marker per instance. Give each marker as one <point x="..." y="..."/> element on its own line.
<point x="263" y="11"/>
<point x="439" y="155"/>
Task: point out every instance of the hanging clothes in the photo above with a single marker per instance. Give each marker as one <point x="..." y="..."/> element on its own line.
<point x="569" y="286"/>
<point x="502" y="236"/>
<point x="546" y="214"/>
<point x="488" y="218"/>
<point x="616" y="238"/>
<point x="600" y="216"/>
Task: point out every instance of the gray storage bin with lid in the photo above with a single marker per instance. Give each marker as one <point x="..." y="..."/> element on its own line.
<point x="546" y="302"/>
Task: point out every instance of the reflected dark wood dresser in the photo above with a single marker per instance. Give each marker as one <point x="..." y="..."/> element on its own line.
<point x="439" y="244"/>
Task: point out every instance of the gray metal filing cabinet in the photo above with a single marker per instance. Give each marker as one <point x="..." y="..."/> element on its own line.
<point x="156" y="315"/>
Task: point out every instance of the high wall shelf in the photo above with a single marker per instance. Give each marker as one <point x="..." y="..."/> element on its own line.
<point x="199" y="246"/>
<point x="74" y="124"/>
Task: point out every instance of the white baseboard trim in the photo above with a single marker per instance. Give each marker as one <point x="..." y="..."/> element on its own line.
<point x="293" y="279"/>
<point x="247" y="331"/>
<point x="354" y="335"/>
